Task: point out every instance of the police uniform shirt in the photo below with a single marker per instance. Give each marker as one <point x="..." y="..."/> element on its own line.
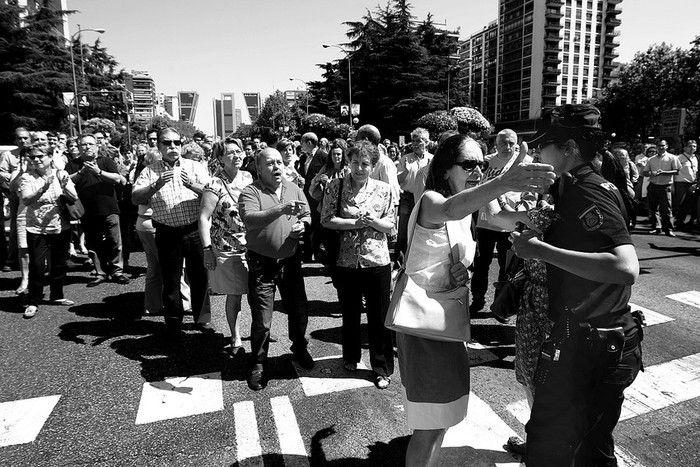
<point x="590" y="221"/>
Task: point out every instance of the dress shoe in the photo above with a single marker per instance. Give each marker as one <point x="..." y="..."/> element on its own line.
<point x="655" y="232"/>
<point x="62" y="302"/>
<point x="205" y="328"/>
<point x="97" y="281"/>
<point x="516" y="445"/>
<point x="120" y="279"/>
<point x="304" y="359"/>
<point x="255" y="380"/>
<point x="670" y="233"/>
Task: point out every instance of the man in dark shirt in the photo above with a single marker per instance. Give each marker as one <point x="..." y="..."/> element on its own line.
<point x="94" y="180"/>
<point x="310" y="163"/>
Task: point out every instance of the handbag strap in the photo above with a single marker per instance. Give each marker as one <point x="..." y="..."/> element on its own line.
<point x="340" y="196"/>
<point x="227" y="187"/>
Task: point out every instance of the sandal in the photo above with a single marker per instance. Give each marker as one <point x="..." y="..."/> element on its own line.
<point x="30" y="311"/>
<point x="22" y="289"/>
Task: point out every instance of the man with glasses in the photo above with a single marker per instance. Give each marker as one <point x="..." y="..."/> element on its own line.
<point x="152" y="139"/>
<point x="490" y="236"/>
<point x="173" y="186"/>
<point x="660" y="169"/>
<point x="95" y="178"/>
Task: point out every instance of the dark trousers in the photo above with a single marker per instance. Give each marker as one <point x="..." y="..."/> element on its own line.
<point x="659" y="197"/>
<point x="127" y="223"/>
<point x="684" y="202"/>
<point x="578" y="400"/>
<point x="406" y="204"/>
<point x="374" y="283"/>
<point x="54" y="249"/>
<point x="486" y="240"/>
<point x="175" y="245"/>
<point x="103" y="236"/>
<point x="3" y="238"/>
<point x="264" y="275"/>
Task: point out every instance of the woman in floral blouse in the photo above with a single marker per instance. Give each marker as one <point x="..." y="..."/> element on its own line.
<point x="223" y="235"/>
<point x="363" y="266"/>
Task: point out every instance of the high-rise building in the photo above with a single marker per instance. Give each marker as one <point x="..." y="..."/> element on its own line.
<point x="225" y="121"/>
<point x="188" y="105"/>
<point x="539" y="54"/>
<point x="31" y="7"/>
<point x="143" y="89"/>
<point x="252" y="101"/>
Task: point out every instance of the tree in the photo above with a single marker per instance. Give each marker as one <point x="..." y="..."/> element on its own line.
<point x="158" y="123"/>
<point x="34" y="69"/>
<point x="437" y="122"/>
<point x="657" y="79"/>
<point x="319" y="124"/>
<point x="275" y="114"/>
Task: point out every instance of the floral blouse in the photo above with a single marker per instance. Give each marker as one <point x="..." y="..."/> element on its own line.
<point x="364" y="247"/>
<point x="227" y="228"/>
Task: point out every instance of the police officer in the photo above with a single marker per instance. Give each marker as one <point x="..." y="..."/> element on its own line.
<point x="593" y="352"/>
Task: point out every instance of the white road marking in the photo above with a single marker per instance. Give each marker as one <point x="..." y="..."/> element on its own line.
<point x="291" y="443"/>
<point x="650" y="316"/>
<point x="21" y="421"/>
<point x="663" y="385"/>
<point x="329" y="376"/>
<point x="479" y="438"/>
<point x="248" y="449"/>
<point x="691" y="298"/>
<point x="180" y="397"/>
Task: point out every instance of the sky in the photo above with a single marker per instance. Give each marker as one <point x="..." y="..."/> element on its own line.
<point x="215" y="46"/>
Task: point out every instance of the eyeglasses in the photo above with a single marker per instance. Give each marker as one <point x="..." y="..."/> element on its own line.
<point x="168" y="142"/>
<point x="471" y="164"/>
<point x="153" y="139"/>
<point x="85" y="145"/>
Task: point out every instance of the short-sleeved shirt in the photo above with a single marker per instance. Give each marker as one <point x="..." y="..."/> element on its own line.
<point x="9" y="165"/>
<point x="96" y="194"/>
<point x="365" y="247"/>
<point x="227" y="228"/>
<point x="44" y="215"/>
<point x="666" y="162"/>
<point x="272" y="240"/>
<point x="412" y="164"/>
<point x="174" y="204"/>
<point x="590" y="220"/>
<point x="688" y="172"/>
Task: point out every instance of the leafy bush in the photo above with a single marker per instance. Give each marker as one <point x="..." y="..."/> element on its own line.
<point x="437" y="122"/>
<point x="319" y="124"/>
<point x="470" y="121"/>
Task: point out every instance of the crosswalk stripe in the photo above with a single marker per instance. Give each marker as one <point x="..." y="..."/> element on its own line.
<point x="291" y="443"/>
<point x="21" y="421"/>
<point x="663" y="385"/>
<point x="691" y="298"/>
<point x="248" y="448"/>
<point x="180" y="397"/>
<point x="479" y="439"/>
<point x="651" y="317"/>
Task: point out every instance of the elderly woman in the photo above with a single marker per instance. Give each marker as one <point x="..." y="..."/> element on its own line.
<point x="43" y="190"/>
<point x="336" y="167"/>
<point x="435" y="374"/>
<point x="289" y="157"/>
<point x="593" y="352"/>
<point x="363" y="267"/>
<point x="223" y="235"/>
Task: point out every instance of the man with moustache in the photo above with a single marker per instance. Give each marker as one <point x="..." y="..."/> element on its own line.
<point x="275" y="213"/>
<point x="94" y="178"/>
<point x="174" y="187"/>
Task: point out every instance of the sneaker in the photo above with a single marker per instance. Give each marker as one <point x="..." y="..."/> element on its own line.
<point x="382" y="382"/>
<point x="350" y="366"/>
<point x="62" y="302"/>
<point x="30" y="311"/>
<point x="655" y="232"/>
<point x="304" y="359"/>
<point x="255" y="380"/>
<point x="120" y="279"/>
<point x="670" y="233"/>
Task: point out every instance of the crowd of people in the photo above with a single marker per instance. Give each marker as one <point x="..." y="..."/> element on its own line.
<point x="240" y="218"/>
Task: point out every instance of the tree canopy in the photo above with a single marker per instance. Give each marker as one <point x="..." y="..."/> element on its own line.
<point x="658" y="79"/>
<point x="399" y="70"/>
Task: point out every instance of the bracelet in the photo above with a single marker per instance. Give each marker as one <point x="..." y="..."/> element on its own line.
<point x="207" y="248"/>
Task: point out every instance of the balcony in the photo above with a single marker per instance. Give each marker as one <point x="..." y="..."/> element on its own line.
<point x="553" y="13"/>
<point x="551" y="71"/>
<point x="613" y="11"/>
<point x="611" y="44"/>
<point x="610" y="53"/>
<point x="552" y="38"/>
<point x="555" y="3"/>
<point x="611" y="21"/>
<point x="552" y="26"/>
<point x="550" y="84"/>
<point x="613" y="2"/>
<point x="551" y="59"/>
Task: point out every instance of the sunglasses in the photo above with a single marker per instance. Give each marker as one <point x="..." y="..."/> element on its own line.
<point x="168" y="142"/>
<point x="471" y="164"/>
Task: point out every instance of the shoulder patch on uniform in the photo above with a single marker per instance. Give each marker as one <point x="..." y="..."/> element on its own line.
<point x="608" y="186"/>
<point x="591" y="218"/>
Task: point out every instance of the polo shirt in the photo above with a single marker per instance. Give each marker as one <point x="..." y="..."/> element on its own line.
<point x="666" y="162"/>
<point x="590" y="220"/>
<point x="272" y="240"/>
<point x="97" y="195"/>
<point x="689" y="168"/>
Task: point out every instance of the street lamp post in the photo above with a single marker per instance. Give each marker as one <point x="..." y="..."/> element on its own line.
<point x="72" y="64"/>
<point x="307" y="92"/>
<point x="348" y="55"/>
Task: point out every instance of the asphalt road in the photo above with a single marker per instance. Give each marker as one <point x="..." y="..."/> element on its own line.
<point x="96" y="384"/>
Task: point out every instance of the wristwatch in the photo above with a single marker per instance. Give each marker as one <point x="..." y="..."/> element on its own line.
<point x="208" y="247"/>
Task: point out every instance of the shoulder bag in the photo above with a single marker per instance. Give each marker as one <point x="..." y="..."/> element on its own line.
<point x="508" y="292"/>
<point x="440" y="316"/>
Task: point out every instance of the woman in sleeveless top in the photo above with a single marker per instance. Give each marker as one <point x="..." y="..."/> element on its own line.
<point x="435" y="374"/>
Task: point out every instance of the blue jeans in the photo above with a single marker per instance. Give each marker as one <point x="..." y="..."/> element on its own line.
<point x="264" y="275"/>
<point x="103" y="236"/>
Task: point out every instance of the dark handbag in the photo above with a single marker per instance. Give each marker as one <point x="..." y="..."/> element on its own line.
<point x="328" y="240"/>
<point x="508" y="291"/>
<point x="72" y="210"/>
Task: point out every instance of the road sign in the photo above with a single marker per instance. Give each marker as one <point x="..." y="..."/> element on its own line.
<point x="673" y="122"/>
<point x="355" y="110"/>
<point x="344" y="110"/>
